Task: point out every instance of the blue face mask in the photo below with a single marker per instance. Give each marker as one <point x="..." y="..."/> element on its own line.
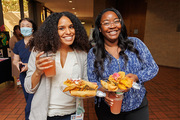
<point x="26" y="31"/>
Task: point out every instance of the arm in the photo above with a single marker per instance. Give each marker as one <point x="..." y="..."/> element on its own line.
<point x="16" y="61"/>
<point x="149" y="67"/>
<point x="35" y="71"/>
<point x="30" y="72"/>
<point x="85" y="67"/>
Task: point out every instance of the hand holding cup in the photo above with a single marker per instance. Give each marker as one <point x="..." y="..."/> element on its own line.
<point x="45" y="63"/>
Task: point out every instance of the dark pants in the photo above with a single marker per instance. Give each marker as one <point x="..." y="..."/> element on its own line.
<point x="65" y="117"/>
<point x="28" y="97"/>
<point x="103" y="112"/>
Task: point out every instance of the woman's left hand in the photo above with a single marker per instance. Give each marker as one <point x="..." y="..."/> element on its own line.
<point x="24" y="68"/>
<point x="133" y="77"/>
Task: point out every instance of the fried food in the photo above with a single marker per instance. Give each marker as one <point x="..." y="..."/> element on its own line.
<point x="122" y="87"/>
<point x="69" y="88"/>
<point x="80" y="88"/>
<point x="126" y="82"/>
<point x="69" y="82"/>
<point x="117" y="80"/>
<point x="87" y="93"/>
<point x="109" y="86"/>
<point x="90" y="84"/>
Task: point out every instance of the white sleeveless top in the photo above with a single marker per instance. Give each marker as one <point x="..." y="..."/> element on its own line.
<point x="60" y="103"/>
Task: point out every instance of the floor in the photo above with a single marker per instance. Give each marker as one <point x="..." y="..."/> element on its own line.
<point x="163" y="96"/>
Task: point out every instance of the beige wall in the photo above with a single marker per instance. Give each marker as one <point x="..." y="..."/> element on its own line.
<point x="161" y="36"/>
<point x="88" y="27"/>
<point x="35" y="9"/>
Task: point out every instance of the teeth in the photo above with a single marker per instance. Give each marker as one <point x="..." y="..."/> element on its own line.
<point x="113" y="32"/>
<point x="68" y="38"/>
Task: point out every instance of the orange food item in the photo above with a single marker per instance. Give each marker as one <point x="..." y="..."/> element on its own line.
<point x="109" y="86"/>
<point x="80" y="88"/>
<point x="118" y="80"/>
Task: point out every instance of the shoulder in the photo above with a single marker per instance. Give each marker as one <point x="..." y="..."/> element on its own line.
<point x="13" y="38"/>
<point x="137" y="42"/>
<point x="134" y="39"/>
<point x="20" y="42"/>
<point x="33" y="54"/>
<point x="81" y="54"/>
<point x="91" y="51"/>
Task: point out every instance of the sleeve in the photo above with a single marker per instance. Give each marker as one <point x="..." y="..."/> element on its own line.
<point x="85" y="67"/>
<point x="92" y="76"/>
<point x="149" y="67"/>
<point x="31" y="69"/>
<point x="15" y="50"/>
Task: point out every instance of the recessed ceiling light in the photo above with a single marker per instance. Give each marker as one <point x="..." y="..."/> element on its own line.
<point x="82" y="23"/>
<point x="73" y="8"/>
<point x="70" y="1"/>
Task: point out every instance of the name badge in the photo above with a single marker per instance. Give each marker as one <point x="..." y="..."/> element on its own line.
<point x="77" y="117"/>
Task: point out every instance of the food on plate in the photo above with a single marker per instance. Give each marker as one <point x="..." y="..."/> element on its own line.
<point x="69" y="88"/>
<point x="126" y="82"/>
<point x="86" y="93"/>
<point x="109" y="86"/>
<point x="90" y="84"/>
<point x="122" y="87"/>
<point x="80" y="88"/>
<point x="117" y="80"/>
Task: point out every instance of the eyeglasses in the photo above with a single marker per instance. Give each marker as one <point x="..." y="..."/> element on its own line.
<point x="108" y="23"/>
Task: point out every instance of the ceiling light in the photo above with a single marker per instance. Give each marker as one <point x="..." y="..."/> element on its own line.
<point x="82" y="23"/>
<point x="70" y="1"/>
<point x="73" y="8"/>
<point x="75" y="12"/>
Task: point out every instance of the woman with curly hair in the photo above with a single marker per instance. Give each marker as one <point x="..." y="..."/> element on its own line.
<point x="63" y="34"/>
<point x="115" y="51"/>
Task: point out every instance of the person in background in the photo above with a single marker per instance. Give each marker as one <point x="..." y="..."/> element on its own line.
<point x="63" y="34"/>
<point x="114" y="51"/>
<point x="17" y="36"/>
<point x="21" y="56"/>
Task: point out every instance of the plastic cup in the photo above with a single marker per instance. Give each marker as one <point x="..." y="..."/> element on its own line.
<point x="117" y="102"/>
<point x="50" y="72"/>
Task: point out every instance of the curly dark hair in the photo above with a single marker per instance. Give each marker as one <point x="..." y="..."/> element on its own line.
<point x="47" y="37"/>
<point x="123" y="42"/>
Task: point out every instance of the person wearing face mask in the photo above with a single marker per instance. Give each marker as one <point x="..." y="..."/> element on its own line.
<point x="21" y="56"/>
<point x="115" y="51"/>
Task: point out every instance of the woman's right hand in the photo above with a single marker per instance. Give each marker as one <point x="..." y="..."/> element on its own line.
<point x="40" y="62"/>
<point x="108" y="100"/>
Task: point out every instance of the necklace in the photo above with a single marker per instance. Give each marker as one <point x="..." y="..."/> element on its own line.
<point x="114" y="51"/>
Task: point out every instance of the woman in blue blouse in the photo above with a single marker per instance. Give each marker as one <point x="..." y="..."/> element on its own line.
<point x="115" y="51"/>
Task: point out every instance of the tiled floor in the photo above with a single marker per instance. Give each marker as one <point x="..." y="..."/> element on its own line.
<point x="163" y="95"/>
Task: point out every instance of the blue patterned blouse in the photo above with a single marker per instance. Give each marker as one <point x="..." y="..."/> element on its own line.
<point x="145" y="70"/>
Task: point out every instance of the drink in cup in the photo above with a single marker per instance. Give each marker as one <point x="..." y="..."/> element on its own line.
<point x="50" y="72"/>
<point x="117" y="102"/>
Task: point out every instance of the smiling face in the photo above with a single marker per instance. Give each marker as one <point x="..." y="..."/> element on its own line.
<point x="66" y="31"/>
<point x="110" y="26"/>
